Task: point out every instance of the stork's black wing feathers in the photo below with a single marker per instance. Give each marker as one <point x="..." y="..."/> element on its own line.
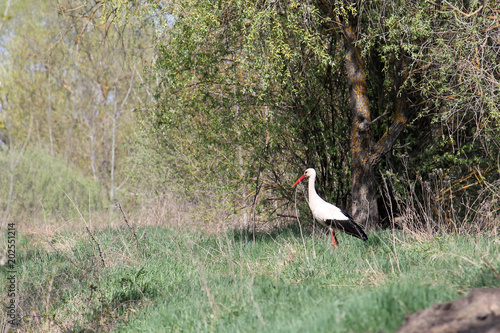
<point x="347" y="226"/>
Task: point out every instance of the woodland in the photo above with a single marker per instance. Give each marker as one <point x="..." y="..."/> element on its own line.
<point x="148" y="150"/>
<point x="225" y="103"/>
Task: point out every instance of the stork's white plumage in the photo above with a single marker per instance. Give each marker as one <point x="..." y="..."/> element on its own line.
<point x="328" y="215"/>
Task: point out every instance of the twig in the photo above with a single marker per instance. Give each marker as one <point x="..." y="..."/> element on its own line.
<point x="128" y="224"/>
<point x="382" y="115"/>
<point x="463" y="13"/>
<point x="98" y="246"/>
<point x="492" y="268"/>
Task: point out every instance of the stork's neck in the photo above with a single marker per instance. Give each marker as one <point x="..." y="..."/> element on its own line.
<point x="312" y="189"/>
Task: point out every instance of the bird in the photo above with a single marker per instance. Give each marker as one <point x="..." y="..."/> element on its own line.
<point x="328" y="215"/>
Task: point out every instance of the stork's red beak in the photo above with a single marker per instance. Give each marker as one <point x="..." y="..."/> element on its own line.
<point x="299" y="180"/>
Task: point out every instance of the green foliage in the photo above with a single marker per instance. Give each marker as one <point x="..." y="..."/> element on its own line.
<point x="74" y="80"/>
<point x="247" y="93"/>
<point x="452" y="103"/>
<point x="46" y="186"/>
<point x="243" y="96"/>
<point x="461" y="101"/>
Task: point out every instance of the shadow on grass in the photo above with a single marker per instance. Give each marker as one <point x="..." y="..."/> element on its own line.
<point x="288" y="230"/>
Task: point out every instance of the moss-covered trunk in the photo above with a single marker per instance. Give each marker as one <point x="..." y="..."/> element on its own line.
<point x="364" y="189"/>
<point x="366" y="152"/>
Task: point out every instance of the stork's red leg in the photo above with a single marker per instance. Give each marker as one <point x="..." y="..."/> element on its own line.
<point x="334" y="239"/>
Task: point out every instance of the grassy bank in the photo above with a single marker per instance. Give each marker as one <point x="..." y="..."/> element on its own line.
<point x="35" y="184"/>
<point x="157" y="279"/>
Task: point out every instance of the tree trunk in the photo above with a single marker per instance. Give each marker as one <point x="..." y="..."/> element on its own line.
<point x="366" y="153"/>
<point x="364" y="189"/>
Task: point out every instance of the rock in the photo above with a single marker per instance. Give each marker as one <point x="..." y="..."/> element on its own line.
<point x="479" y="312"/>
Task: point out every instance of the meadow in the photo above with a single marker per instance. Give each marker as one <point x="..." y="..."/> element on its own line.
<point x="157" y="278"/>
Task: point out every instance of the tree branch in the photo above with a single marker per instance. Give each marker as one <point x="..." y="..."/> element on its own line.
<point x="385" y="143"/>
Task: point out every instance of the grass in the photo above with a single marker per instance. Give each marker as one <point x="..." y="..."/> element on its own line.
<point x="172" y="280"/>
<point x="47" y="186"/>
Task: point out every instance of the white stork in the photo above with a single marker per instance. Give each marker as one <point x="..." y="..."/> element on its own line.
<point x="328" y="215"/>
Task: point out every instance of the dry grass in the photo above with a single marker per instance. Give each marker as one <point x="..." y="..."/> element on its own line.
<point x="425" y="208"/>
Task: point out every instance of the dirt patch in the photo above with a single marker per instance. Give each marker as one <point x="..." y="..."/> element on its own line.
<point x="479" y="312"/>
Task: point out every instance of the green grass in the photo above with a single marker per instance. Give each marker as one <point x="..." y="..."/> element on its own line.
<point x="180" y="281"/>
<point x="48" y="185"/>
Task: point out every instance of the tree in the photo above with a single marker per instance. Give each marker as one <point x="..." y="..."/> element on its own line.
<point x="271" y="41"/>
<point x="278" y="83"/>
<point x="366" y="151"/>
<point x="74" y="72"/>
<point x="222" y="76"/>
<point x="453" y="140"/>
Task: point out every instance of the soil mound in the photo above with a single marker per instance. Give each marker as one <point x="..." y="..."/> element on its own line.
<point x="479" y="312"/>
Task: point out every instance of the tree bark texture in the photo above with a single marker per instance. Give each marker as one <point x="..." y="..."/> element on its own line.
<point x="364" y="190"/>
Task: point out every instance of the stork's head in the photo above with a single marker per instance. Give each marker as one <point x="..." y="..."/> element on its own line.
<point x="307" y="174"/>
